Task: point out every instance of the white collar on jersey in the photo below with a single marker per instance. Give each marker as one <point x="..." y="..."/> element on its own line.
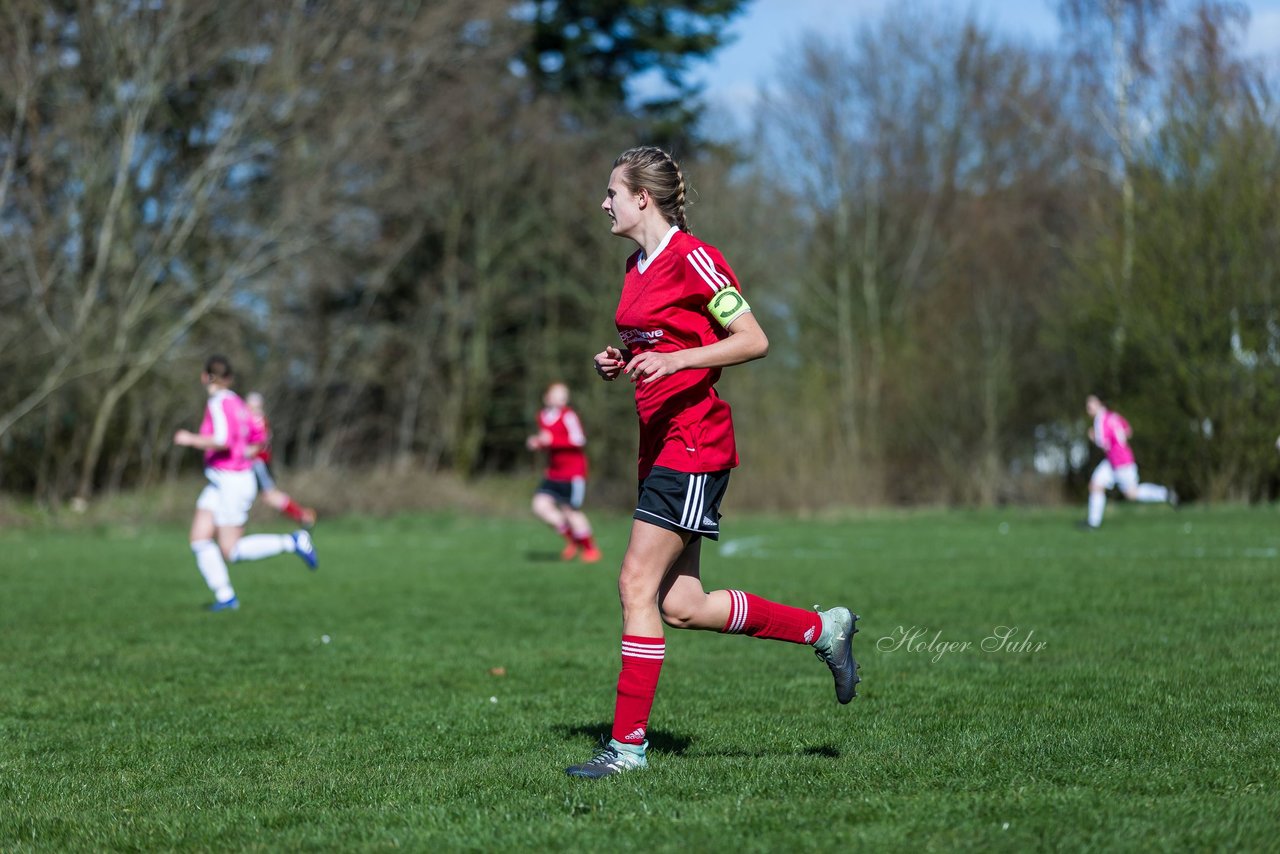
<point x="643" y="263"/>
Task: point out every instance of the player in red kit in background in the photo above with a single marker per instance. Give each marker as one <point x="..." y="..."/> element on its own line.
<point x="682" y="318"/>
<point x="260" y="440"/>
<point x="558" y="500"/>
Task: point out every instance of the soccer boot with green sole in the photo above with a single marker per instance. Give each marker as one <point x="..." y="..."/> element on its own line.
<point x="613" y="757"/>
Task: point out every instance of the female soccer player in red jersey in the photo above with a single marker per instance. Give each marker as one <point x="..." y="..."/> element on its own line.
<point x="260" y="440"/>
<point x="682" y="318"/>
<point x="558" y="500"/>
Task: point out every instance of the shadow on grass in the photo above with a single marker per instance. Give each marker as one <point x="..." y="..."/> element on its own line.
<point x="659" y="740"/>
<point x="543" y="557"/>
<point x="826" y="751"/>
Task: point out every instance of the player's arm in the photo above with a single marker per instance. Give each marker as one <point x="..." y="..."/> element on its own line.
<point x="218" y="440"/>
<point x="746" y="342"/>
<point x="187" y="439"/>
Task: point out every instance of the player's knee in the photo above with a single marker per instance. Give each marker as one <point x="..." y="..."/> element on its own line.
<point x="679" y="613"/>
<point x="1096" y="487"/>
<point x="634" y="587"/>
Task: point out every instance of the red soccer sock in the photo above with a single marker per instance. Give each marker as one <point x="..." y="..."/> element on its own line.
<point x="587" y="541"/>
<point x="567" y="532"/>
<point x="751" y="615"/>
<point x="292" y="510"/>
<point x="641" y="664"/>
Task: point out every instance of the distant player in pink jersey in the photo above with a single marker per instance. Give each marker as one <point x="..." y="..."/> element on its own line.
<point x="224" y="503"/>
<point x="260" y="442"/>
<point x="682" y="318"/>
<point x="1111" y="432"/>
<point x="558" y="500"/>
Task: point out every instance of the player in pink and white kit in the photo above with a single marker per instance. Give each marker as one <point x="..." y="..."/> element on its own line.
<point x="224" y="503"/>
<point x="558" y="500"/>
<point x="1111" y="432"/>
<point x="682" y="318"/>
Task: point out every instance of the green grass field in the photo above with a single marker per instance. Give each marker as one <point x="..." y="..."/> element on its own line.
<point x="132" y="719"/>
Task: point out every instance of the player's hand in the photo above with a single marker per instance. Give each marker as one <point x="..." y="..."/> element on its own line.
<point x="609" y="363"/>
<point x="650" y="365"/>
<point x="531" y="443"/>
<point x="183" y="438"/>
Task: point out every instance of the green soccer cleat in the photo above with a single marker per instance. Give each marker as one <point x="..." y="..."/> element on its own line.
<point x="835" y="648"/>
<point x="613" y="757"/>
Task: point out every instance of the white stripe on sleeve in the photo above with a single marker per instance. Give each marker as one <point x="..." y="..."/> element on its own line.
<point x="706" y="268"/>
<point x="574" y="427"/>
<point x="218" y="415"/>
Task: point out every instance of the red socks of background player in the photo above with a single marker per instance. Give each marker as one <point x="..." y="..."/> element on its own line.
<point x="292" y="510"/>
<point x="760" y="618"/>
<point x="573" y="543"/>
<point x="641" y="664"/>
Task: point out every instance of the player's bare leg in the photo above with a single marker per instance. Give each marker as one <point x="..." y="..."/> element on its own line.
<point x="686" y="605"/>
<point x="282" y="502"/>
<point x="650" y="554"/>
<point x="546" y="508"/>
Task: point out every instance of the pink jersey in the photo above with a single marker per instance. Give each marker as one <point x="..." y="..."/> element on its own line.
<point x="684" y="423"/>
<point x="565" y="457"/>
<point x="1111" y="434"/>
<point x="227" y="420"/>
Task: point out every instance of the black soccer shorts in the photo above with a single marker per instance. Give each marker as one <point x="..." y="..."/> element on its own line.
<point x="568" y="493"/>
<point x="679" y="501"/>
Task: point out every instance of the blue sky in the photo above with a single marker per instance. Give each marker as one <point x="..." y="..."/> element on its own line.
<point x="764" y="32"/>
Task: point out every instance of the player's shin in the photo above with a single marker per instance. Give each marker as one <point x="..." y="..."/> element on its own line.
<point x="637" y="682"/>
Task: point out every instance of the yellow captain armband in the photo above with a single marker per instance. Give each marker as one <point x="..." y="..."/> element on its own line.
<point x="727" y="306"/>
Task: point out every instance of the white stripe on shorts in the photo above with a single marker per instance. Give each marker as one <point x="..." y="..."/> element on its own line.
<point x="693" y="502"/>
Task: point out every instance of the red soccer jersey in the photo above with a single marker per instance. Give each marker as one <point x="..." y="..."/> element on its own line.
<point x="565" y="457"/>
<point x="684" y="424"/>
<point x="260" y="435"/>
